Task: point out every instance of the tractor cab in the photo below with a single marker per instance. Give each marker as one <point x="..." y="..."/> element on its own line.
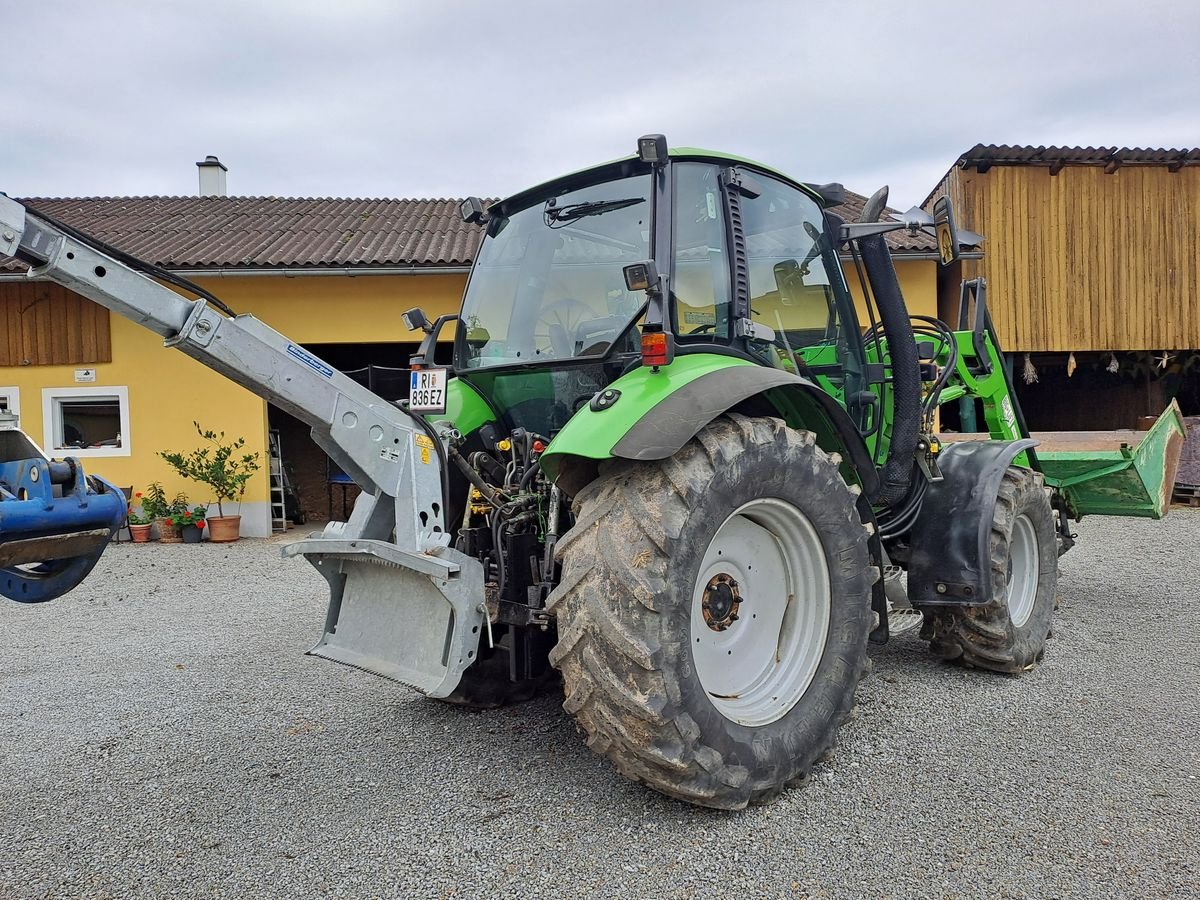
<point x="746" y="266"/>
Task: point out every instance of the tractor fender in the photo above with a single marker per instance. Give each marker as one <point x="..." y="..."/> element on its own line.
<point x="950" y="560"/>
<point x="661" y="428"/>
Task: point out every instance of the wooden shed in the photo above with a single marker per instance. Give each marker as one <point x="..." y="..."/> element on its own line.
<point x="1092" y="261"/>
<point x="1084" y="248"/>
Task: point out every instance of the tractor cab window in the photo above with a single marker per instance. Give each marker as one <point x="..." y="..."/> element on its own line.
<point x="548" y="284"/>
<point x="796" y="285"/>
<point x="701" y="289"/>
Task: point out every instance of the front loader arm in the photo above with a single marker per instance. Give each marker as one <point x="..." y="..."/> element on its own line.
<point x="398" y="521"/>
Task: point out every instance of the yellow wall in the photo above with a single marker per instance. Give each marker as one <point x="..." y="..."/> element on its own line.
<point x="918" y="284"/>
<point x="338" y="309"/>
<point x="168" y="390"/>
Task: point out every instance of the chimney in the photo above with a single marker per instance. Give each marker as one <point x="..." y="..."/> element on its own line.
<point x="212" y="177"/>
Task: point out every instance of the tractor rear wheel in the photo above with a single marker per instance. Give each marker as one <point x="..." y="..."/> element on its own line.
<point x="1010" y="635"/>
<point x="713" y="613"/>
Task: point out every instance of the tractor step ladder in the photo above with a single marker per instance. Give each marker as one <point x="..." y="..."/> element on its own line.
<point x="278" y="509"/>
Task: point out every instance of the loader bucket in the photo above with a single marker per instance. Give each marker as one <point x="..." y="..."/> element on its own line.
<point x="54" y="521"/>
<point x="1116" y="473"/>
<point x="1111" y="473"/>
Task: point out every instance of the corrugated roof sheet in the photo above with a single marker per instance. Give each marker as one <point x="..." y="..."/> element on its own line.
<point x="986" y="155"/>
<point x="290" y="232"/>
<point x="273" y="232"/>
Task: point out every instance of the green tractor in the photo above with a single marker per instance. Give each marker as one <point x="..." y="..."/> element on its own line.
<point x="749" y="468"/>
<point x="669" y="461"/>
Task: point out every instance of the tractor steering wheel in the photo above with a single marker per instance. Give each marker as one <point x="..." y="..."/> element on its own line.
<point x="557" y="325"/>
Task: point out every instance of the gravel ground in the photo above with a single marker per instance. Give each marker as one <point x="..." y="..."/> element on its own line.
<point x="163" y="735"/>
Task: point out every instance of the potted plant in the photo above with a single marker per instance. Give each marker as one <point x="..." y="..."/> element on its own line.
<point x="171" y="519"/>
<point x="223" y="467"/>
<point x="155" y="504"/>
<point x="140" y="521"/>
<point x="192" y="526"/>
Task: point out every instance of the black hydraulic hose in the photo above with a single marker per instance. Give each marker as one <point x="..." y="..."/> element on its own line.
<point x="490" y="494"/>
<point x="906" y="371"/>
<point x="528" y="476"/>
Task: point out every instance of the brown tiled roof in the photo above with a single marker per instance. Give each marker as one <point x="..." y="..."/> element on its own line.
<point x="288" y="232"/>
<point x="983" y="156"/>
<point x="897" y="241"/>
<point x="273" y="232"/>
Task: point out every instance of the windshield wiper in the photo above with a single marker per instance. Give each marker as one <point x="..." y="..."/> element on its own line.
<point x="573" y="211"/>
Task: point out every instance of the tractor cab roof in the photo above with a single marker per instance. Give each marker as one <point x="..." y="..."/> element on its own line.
<point x="631" y="164"/>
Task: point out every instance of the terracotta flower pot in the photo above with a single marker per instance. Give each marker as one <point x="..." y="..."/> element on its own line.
<point x="223" y="529"/>
<point x="140" y="534"/>
<point x="190" y="534"/>
<point x="168" y="534"/>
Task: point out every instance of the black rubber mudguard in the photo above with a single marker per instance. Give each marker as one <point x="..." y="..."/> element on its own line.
<point x="677" y="418"/>
<point x="950" y="554"/>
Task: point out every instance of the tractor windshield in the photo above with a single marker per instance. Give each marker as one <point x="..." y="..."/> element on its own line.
<point x="547" y="284"/>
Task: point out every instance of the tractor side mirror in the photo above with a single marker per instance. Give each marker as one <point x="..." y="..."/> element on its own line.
<point x="415" y="319"/>
<point x="947" y="232"/>
<point x="425" y="353"/>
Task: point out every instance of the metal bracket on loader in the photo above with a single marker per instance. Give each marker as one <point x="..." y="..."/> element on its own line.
<point x="402" y="603"/>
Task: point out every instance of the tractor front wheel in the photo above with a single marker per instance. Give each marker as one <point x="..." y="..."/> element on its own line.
<point x="1010" y="634"/>
<point x="713" y="613"/>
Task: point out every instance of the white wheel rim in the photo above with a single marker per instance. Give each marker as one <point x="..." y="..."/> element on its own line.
<point x="756" y="666"/>
<point x="1022" y="571"/>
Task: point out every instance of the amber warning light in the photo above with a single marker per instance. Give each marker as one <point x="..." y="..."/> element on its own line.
<point x="656" y="348"/>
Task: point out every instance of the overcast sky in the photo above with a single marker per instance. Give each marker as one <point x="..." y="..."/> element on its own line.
<point x="446" y="99"/>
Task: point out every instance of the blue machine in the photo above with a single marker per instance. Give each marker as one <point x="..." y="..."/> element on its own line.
<point x="55" y="521"/>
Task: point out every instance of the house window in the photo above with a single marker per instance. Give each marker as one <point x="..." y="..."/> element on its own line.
<point x="86" y="421"/>
<point x="10" y="402"/>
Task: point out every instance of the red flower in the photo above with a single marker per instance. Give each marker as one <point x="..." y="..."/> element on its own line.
<point x="170" y="522"/>
<point x="200" y="524"/>
<point x="137" y="493"/>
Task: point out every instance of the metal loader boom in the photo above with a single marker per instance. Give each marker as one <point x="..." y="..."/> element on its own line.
<point x="403" y="604"/>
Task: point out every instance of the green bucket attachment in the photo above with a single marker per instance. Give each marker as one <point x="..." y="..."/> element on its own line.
<point x="1116" y="473"/>
<point x="1111" y="473"/>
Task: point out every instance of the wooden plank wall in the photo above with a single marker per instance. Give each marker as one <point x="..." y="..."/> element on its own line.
<point x="44" y="324"/>
<point x="1084" y="260"/>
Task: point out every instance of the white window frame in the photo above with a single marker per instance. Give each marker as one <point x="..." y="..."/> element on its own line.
<point x="50" y="398"/>
<point x="13" y="395"/>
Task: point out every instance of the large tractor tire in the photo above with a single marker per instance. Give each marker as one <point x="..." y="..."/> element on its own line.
<point x="713" y="613"/>
<point x="1009" y="635"/>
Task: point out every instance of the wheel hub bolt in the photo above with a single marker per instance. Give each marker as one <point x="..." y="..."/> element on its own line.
<point x="721" y="602"/>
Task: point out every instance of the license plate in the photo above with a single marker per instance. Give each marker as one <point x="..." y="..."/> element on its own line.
<point x="427" y="390"/>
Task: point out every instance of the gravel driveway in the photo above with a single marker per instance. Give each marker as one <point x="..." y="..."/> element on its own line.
<point x="163" y="735"/>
